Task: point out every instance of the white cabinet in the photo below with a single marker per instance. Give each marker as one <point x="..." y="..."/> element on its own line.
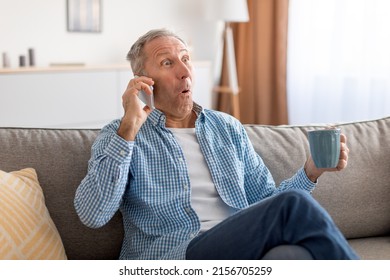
<point x="62" y="99"/>
<point x="77" y="97"/>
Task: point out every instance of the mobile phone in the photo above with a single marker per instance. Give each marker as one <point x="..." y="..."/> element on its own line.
<point x="146" y="98"/>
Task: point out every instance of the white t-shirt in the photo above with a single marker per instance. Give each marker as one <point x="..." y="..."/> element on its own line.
<point x="205" y="200"/>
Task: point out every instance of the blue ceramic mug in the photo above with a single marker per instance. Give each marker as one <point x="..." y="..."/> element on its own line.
<point x="325" y="147"/>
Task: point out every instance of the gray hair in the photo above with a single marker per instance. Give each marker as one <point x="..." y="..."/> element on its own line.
<point x="136" y="55"/>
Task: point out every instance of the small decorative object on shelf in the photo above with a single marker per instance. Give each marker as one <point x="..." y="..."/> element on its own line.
<point x="22" y="60"/>
<point x="6" y="63"/>
<point x="31" y="57"/>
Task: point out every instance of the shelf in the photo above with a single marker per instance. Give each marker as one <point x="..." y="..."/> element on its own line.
<point x="78" y="67"/>
<point x="63" y="68"/>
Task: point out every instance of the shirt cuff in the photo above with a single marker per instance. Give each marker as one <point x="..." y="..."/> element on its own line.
<point x="304" y="182"/>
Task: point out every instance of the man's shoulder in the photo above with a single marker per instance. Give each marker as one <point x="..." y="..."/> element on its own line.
<point x="220" y="121"/>
<point x="221" y="118"/>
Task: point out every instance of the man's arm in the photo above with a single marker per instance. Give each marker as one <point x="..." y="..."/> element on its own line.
<point x="99" y="195"/>
<point x="261" y="183"/>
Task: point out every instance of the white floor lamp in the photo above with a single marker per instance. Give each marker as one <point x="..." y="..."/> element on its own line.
<point x="229" y="11"/>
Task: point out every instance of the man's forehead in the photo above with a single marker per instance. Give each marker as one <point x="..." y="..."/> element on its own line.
<point x="165" y="45"/>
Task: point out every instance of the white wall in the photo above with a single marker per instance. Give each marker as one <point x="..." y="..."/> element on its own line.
<point x="41" y="24"/>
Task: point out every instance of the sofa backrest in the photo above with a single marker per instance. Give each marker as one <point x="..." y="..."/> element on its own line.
<point x="60" y="158"/>
<point x="358" y="198"/>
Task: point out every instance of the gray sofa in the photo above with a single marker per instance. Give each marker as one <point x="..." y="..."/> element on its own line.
<point x="358" y="198"/>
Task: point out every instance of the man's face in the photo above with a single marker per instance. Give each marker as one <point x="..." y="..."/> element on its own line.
<point x="168" y="64"/>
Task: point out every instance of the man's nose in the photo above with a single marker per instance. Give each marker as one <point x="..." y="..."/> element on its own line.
<point x="184" y="71"/>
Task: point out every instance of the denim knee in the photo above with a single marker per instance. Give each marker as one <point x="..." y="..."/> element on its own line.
<point x="298" y="200"/>
<point x="296" y="196"/>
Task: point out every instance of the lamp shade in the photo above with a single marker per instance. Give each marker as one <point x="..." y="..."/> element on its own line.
<point x="227" y="10"/>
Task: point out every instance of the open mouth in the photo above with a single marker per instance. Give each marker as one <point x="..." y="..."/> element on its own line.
<point x="185" y="88"/>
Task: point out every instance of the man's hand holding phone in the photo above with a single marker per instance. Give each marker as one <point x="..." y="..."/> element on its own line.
<point x="146" y="97"/>
<point x="134" y="114"/>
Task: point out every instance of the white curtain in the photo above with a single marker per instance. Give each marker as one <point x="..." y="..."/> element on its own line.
<point x="338" y="60"/>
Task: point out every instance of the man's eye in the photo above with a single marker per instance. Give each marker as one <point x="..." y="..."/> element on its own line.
<point x="166" y="63"/>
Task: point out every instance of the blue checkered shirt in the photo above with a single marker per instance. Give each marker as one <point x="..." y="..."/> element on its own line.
<point x="147" y="180"/>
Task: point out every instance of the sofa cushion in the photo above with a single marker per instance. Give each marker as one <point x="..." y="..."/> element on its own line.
<point x="26" y="228"/>
<point x="358" y="198"/>
<point x="372" y="248"/>
<point x="60" y="157"/>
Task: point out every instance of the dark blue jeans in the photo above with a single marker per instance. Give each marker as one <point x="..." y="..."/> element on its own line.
<point x="292" y="217"/>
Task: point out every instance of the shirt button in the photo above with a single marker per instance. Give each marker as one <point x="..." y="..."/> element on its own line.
<point x="185" y="187"/>
<point x="188" y="210"/>
<point x="122" y="153"/>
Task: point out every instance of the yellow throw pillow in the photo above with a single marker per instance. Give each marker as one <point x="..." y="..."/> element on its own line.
<point x="26" y="228"/>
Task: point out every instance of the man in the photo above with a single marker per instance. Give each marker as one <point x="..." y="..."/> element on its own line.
<point x="188" y="181"/>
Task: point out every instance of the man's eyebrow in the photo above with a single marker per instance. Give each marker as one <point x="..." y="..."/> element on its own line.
<point x="168" y="53"/>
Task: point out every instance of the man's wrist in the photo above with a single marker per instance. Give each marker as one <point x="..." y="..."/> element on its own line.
<point x="127" y="130"/>
<point x="312" y="176"/>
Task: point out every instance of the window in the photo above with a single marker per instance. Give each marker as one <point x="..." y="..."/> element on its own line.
<point x="338" y="65"/>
